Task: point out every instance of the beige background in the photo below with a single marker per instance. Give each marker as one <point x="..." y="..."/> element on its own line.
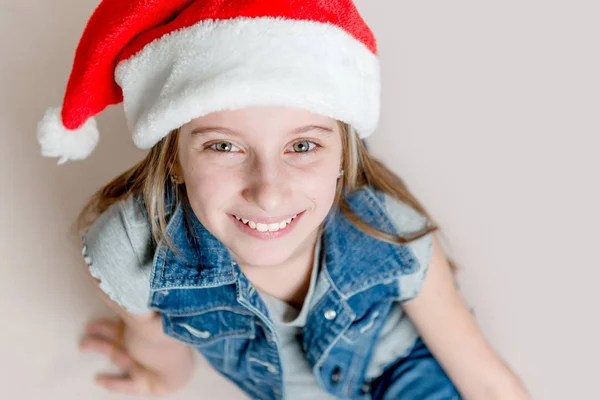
<point x="490" y="113"/>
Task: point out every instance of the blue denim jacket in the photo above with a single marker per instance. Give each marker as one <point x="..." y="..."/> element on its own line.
<point x="206" y="301"/>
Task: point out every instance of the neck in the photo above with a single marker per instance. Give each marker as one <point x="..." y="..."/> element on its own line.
<point x="289" y="281"/>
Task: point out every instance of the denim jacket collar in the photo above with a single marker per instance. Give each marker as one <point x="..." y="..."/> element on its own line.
<point x="355" y="261"/>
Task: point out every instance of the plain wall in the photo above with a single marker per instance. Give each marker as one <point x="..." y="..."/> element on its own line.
<point x="490" y="114"/>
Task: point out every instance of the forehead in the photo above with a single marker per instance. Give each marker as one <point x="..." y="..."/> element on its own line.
<point x="263" y="121"/>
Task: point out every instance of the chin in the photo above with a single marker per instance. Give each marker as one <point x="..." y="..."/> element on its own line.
<point x="264" y="257"/>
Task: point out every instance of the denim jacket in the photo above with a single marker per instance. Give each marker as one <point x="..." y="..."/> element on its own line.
<point x="207" y="302"/>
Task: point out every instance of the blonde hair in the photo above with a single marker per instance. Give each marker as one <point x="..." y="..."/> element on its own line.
<point x="151" y="179"/>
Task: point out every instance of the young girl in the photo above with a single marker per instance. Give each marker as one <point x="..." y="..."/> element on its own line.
<point x="258" y="230"/>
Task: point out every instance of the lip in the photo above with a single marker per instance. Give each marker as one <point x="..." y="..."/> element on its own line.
<point x="267" y="235"/>
<point x="270" y="220"/>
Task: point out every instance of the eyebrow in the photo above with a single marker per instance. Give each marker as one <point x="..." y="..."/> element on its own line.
<point x="201" y="131"/>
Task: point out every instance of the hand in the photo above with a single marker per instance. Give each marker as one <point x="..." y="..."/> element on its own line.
<point x="106" y="336"/>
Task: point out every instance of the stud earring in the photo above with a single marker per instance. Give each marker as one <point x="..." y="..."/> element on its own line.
<point x="341" y="173"/>
<point x="174" y="179"/>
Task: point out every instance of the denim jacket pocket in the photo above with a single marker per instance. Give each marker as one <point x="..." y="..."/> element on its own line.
<point x="210" y="326"/>
<point x="364" y="325"/>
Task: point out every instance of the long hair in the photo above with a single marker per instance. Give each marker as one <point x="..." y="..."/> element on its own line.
<point x="150" y="179"/>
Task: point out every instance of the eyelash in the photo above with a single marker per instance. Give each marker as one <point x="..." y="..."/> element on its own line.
<point x="314" y="150"/>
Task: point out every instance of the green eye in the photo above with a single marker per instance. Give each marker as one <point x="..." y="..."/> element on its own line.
<point x="303" y="146"/>
<point x="223" y="147"/>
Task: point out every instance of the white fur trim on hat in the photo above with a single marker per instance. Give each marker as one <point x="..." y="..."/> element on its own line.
<point x="58" y="141"/>
<point x="236" y="63"/>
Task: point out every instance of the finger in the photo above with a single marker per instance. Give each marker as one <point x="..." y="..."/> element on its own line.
<point x="117" y="355"/>
<point x="104" y="320"/>
<point x="103" y="328"/>
<point x="145" y="383"/>
<point x="122" y="384"/>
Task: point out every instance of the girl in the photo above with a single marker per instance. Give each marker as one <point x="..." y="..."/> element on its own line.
<point x="258" y="230"/>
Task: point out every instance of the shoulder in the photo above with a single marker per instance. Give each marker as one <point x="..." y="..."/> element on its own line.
<point x="119" y="251"/>
<point x="122" y="226"/>
<point x="408" y="221"/>
<point x="405" y="218"/>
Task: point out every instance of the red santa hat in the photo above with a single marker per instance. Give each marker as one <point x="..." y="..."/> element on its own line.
<point x="170" y="61"/>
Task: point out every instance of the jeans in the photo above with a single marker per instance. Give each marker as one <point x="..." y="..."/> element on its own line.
<point x="417" y="376"/>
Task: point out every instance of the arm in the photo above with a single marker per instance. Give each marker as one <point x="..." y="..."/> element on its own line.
<point x="118" y="250"/>
<point x="452" y="335"/>
<point x="153" y="363"/>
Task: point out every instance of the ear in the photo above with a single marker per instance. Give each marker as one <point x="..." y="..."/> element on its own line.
<point x="178" y="171"/>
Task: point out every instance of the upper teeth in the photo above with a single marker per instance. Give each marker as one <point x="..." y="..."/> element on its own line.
<point x="266" y="227"/>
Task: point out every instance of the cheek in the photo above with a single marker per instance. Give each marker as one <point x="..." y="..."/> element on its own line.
<point x="318" y="184"/>
<point x="209" y="188"/>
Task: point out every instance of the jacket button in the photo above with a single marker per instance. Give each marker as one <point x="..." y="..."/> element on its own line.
<point x="336" y="376"/>
<point x="365" y="388"/>
<point x="330" y="314"/>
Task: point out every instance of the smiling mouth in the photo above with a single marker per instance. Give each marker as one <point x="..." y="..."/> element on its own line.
<point x="260" y="227"/>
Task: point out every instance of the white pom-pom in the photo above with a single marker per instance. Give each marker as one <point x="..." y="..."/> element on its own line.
<point x="58" y="141"/>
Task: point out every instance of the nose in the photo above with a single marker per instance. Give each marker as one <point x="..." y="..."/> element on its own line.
<point x="267" y="186"/>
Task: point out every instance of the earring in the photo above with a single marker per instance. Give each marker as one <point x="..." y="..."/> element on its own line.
<point x="174" y="179"/>
<point x="341" y="173"/>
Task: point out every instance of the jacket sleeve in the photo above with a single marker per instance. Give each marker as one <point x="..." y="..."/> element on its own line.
<point x="408" y="221"/>
<point x="118" y="251"/>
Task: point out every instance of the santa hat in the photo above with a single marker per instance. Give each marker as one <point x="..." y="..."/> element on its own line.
<point x="170" y="61"/>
